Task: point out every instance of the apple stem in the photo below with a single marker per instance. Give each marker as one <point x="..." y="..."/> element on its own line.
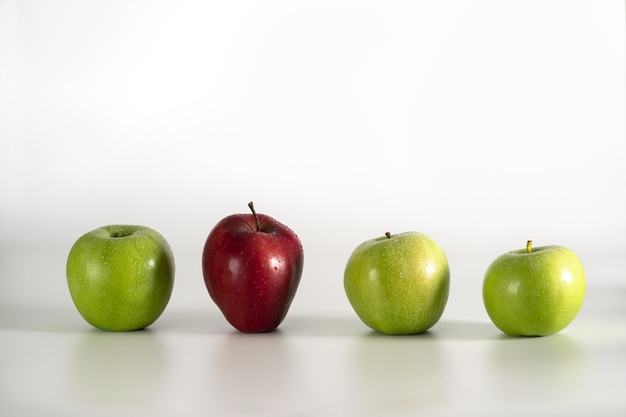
<point x="388" y="235"/>
<point x="256" y="218"/>
<point x="529" y="246"/>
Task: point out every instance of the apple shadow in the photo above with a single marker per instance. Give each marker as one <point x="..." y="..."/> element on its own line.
<point x="66" y="320"/>
<point x="193" y="322"/>
<point x="41" y="319"/>
<point x="344" y="326"/>
<point x="201" y="322"/>
<point x="58" y="320"/>
<point x="465" y="330"/>
<point x="213" y="322"/>
<point x="324" y="326"/>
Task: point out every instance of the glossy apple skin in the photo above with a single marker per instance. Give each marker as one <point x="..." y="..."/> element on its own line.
<point x="534" y="294"/>
<point x="120" y="277"/>
<point x="398" y="284"/>
<point x="252" y="275"/>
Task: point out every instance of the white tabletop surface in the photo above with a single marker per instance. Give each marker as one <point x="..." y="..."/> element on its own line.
<point x="320" y="361"/>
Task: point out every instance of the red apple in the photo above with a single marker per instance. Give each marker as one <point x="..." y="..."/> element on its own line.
<point x="252" y="266"/>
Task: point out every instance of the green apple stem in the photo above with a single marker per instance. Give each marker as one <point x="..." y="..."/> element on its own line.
<point x="388" y="235"/>
<point x="529" y="246"/>
<point x="256" y="218"/>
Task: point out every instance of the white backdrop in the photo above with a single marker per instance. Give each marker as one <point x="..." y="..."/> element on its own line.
<point x="481" y="123"/>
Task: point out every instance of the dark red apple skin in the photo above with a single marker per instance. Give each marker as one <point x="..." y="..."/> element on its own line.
<point x="252" y="275"/>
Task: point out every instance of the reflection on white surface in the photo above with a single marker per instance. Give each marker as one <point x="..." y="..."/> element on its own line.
<point x="236" y="367"/>
<point x="387" y="374"/>
<point x="110" y="371"/>
<point x="557" y="366"/>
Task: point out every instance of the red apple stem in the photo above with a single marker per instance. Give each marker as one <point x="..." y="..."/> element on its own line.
<point x="256" y="217"/>
<point x="529" y="246"/>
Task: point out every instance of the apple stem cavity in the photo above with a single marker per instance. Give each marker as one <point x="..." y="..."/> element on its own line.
<point x="388" y="235"/>
<point x="256" y="218"/>
<point x="529" y="246"/>
<point x="119" y="234"/>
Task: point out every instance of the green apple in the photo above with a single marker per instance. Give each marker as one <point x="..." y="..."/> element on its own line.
<point x="534" y="291"/>
<point x="398" y="284"/>
<point x="120" y="277"/>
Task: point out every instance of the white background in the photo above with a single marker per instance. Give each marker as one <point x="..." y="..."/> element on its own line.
<point x="481" y="123"/>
